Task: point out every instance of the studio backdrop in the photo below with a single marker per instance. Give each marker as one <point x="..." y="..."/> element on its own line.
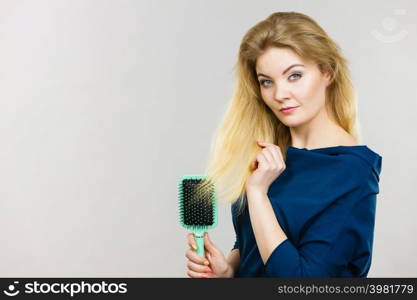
<point x="104" y="105"/>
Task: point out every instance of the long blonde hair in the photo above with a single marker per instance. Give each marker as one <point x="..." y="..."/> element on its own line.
<point x="247" y="118"/>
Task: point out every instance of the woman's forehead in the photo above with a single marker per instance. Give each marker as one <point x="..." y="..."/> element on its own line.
<point x="276" y="62"/>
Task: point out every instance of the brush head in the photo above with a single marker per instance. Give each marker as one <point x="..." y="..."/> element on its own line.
<point x="198" y="211"/>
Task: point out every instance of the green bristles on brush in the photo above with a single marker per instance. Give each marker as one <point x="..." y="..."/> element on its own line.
<point x="198" y="211"/>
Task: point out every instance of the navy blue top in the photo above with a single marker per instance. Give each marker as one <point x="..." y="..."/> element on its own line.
<point x="325" y="202"/>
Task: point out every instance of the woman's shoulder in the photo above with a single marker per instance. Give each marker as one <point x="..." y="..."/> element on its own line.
<point x="346" y="165"/>
<point x="357" y="157"/>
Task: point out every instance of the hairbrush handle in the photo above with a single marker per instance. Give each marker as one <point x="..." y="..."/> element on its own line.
<point x="199" y="240"/>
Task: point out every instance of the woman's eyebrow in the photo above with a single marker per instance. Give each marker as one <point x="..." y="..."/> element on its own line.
<point x="285" y="71"/>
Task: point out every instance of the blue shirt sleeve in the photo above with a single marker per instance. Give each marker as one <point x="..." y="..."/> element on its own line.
<point x="341" y="236"/>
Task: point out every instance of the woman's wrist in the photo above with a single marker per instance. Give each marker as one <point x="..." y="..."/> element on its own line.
<point x="256" y="192"/>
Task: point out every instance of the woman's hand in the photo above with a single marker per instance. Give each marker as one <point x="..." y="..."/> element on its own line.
<point x="215" y="266"/>
<point x="269" y="164"/>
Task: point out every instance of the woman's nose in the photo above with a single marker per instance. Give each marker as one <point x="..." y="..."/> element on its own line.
<point x="282" y="91"/>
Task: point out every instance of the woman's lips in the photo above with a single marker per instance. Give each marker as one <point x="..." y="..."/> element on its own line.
<point x="288" y="110"/>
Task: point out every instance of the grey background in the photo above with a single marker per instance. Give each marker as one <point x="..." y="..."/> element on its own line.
<point x="105" y="104"/>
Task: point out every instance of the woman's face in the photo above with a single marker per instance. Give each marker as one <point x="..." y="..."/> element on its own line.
<point x="289" y="81"/>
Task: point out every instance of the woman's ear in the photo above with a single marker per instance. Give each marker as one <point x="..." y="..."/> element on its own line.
<point x="327" y="73"/>
<point x="328" y="76"/>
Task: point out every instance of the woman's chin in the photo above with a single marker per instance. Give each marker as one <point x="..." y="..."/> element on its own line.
<point x="291" y="123"/>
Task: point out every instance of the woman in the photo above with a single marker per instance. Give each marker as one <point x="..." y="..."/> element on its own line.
<point x="303" y="191"/>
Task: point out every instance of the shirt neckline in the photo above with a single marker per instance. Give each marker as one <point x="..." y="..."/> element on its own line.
<point x="328" y="148"/>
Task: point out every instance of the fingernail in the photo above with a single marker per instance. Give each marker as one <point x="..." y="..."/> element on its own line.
<point x="206" y="263"/>
<point x="204" y="275"/>
<point x="208" y="270"/>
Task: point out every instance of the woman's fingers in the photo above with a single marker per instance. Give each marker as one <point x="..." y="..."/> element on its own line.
<point x="268" y="156"/>
<point x="273" y="153"/>
<point x="209" y="245"/>
<point x="194" y="274"/>
<point x="198" y="268"/>
<point x="194" y="257"/>
<point x="191" y="241"/>
<point x="208" y="257"/>
<point x="262" y="161"/>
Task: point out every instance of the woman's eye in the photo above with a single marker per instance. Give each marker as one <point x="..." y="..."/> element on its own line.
<point x="292" y="77"/>
<point x="295" y="74"/>
<point x="263" y="81"/>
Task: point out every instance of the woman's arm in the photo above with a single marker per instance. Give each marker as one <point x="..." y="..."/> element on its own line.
<point x="268" y="232"/>
<point x="233" y="261"/>
<point x="338" y="241"/>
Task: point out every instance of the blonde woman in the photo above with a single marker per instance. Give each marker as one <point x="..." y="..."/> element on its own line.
<point x="287" y="157"/>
